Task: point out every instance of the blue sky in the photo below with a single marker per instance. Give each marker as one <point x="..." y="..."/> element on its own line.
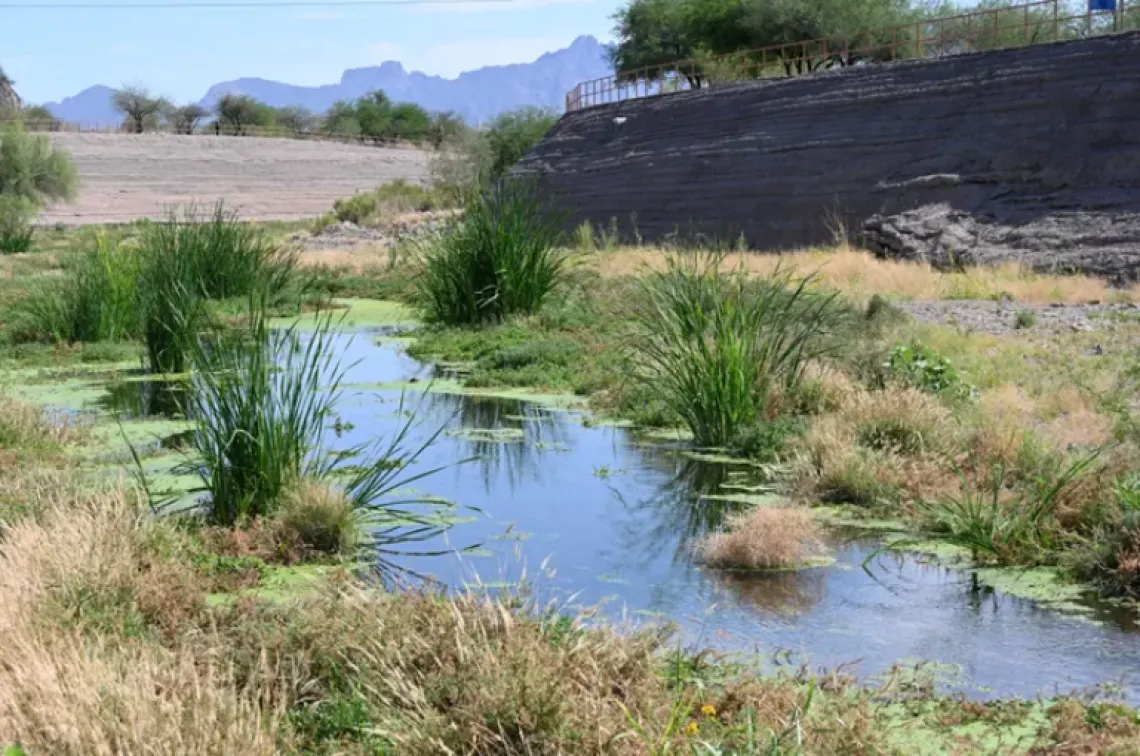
<point x="180" y="52"/>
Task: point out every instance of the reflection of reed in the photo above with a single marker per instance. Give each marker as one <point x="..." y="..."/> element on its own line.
<point x="516" y="456"/>
<point x="675" y="515"/>
<point x="784" y="593"/>
<point x="147" y="398"/>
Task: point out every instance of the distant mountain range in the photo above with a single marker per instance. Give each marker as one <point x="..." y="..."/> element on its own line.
<point x="476" y="95"/>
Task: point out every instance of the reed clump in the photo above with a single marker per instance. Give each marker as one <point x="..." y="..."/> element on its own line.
<point x="500" y="257"/>
<point x="717" y="347"/>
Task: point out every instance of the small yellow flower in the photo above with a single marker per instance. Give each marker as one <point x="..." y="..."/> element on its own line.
<point x="693" y="728"/>
<point x="708" y="710"/>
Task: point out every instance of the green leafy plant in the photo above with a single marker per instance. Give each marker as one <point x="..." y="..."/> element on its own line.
<point x="500" y="258"/>
<point x="1024" y="318"/>
<point x="919" y="366"/>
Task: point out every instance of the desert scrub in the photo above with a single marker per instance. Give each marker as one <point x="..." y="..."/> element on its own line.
<point x="392" y="199"/>
<point x="717" y="346"/>
<point x="16" y="230"/>
<point x="501" y="257"/>
<point x="763" y="539"/>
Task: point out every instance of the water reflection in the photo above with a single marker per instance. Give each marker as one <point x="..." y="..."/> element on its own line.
<point x="507" y="437"/>
<point x="786" y="593"/>
<point x="146" y="398"/>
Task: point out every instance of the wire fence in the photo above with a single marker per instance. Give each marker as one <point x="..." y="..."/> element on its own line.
<point x="274" y="132"/>
<point x="991" y="29"/>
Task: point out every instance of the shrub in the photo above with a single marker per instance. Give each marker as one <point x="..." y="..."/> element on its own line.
<point x="1024" y="318"/>
<point x="16" y="215"/>
<point x="512" y="134"/>
<point x="716" y="347"/>
<point x="765" y="538"/>
<point x="500" y="258"/>
<point x="905" y="421"/>
<point x="35" y="169"/>
<point x="393" y="198"/>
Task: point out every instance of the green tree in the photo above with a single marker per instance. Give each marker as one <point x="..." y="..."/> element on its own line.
<point x="409" y="121"/>
<point x="512" y="134"/>
<point x="237" y="113"/>
<point x="340" y="120"/>
<point x="183" y="119"/>
<point x="140" y="108"/>
<point x="445" y="127"/>
<point x="294" y="118"/>
<point x="39" y="118"/>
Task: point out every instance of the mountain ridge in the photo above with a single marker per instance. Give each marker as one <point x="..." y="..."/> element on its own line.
<point x="477" y="95"/>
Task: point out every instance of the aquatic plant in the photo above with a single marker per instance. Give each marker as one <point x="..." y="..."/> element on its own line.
<point x="262" y="399"/>
<point x="998" y="520"/>
<point x="765" y="538"/>
<point x="715" y="346"/>
<point x="221" y="256"/>
<point x="499" y="258"/>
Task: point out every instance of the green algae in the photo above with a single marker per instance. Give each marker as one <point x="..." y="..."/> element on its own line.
<point x="811" y="563"/>
<point x="354" y="314"/>
<point x="488" y="435"/>
<point x="751" y="499"/>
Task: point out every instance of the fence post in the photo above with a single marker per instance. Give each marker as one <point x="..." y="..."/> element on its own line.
<point x="918" y="39"/>
<point x="1056" y="21"/>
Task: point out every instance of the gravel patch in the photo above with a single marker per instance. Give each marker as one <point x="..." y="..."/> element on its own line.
<point x="1000" y="317"/>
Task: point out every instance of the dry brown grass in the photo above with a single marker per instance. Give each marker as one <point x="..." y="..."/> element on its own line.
<point x="765" y="538"/>
<point x="26" y="425"/>
<point x="355" y="260"/>
<point x="860" y="275"/>
<point x="74" y="677"/>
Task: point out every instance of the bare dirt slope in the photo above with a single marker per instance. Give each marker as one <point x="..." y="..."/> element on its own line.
<point x="129" y="176"/>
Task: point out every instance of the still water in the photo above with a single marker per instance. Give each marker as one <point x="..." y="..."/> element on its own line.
<point x="590" y="516"/>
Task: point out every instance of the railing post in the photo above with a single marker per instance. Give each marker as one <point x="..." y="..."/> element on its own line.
<point x="1056" y="20"/>
<point x="918" y="39"/>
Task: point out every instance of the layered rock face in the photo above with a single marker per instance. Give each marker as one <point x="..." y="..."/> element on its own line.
<point x="1029" y="154"/>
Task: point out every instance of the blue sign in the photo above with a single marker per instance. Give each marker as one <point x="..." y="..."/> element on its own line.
<point x="1102" y="5"/>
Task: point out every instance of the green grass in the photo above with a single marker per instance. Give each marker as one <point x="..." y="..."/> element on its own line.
<point x="501" y="258"/>
<point x="388" y="200"/>
<point x="94" y="300"/>
<point x="717" y="346"/>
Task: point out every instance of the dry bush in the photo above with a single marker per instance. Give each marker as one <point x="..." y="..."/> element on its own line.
<point x="765" y="538"/>
<point x="25" y="425"/>
<point x="80" y="671"/>
<point x="903" y="420"/>
<point x="860" y="275"/>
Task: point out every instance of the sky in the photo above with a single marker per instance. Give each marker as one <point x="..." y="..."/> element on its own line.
<point x="181" y="52"/>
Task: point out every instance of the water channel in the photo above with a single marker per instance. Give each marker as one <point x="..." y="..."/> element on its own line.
<point x="591" y="516"/>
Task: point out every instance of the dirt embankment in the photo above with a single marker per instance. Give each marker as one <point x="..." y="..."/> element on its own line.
<point x="125" y="177"/>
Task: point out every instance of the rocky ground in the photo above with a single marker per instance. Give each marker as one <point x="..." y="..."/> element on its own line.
<point x="342" y="236"/>
<point x="1001" y="317"/>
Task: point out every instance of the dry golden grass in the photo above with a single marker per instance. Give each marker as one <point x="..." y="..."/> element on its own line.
<point x="860" y="275"/>
<point x="317" y="519"/>
<point x="765" y="538"/>
<point x="355" y="260"/>
<point x="73" y="679"/>
<point x="24" y="426"/>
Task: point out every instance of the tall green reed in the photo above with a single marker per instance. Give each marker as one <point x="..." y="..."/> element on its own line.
<point x="262" y="401"/>
<point x="716" y="345"/>
<point x="501" y="257"/>
<point x="222" y="256"/>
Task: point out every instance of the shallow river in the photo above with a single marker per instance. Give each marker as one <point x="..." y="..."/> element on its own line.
<point x="591" y="516"/>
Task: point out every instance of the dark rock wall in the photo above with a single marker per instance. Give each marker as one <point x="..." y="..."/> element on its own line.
<point x="1030" y="154"/>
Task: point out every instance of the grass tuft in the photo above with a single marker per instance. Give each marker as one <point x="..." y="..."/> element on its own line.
<point x="765" y="538"/>
<point x="499" y="258"/>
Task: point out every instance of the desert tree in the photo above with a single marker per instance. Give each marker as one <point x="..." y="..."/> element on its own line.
<point x="238" y="112"/>
<point x="140" y="108"/>
<point x="446" y="126"/>
<point x="183" y="119"/>
<point x="294" y="118"/>
<point x="512" y="134"/>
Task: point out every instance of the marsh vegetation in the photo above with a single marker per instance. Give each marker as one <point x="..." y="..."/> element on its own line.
<point x="245" y="616"/>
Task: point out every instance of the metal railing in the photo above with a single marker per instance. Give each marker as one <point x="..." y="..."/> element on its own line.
<point x="991" y="29"/>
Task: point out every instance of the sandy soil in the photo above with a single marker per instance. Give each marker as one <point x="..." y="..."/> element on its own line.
<point x="125" y="177"/>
